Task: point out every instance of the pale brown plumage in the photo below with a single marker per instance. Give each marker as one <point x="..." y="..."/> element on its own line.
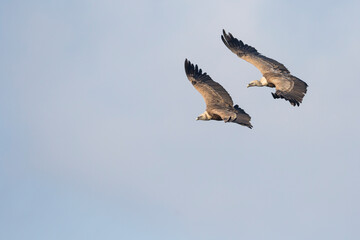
<point x="276" y="74"/>
<point x="219" y="105"/>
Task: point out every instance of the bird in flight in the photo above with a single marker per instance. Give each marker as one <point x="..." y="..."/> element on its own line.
<point x="275" y="74"/>
<point x="219" y="105"/>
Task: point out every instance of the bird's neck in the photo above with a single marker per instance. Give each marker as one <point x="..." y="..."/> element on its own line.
<point x="205" y="116"/>
<point x="262" y="82"/>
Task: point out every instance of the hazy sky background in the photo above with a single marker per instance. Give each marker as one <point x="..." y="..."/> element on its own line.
<point x="98" y="138"/>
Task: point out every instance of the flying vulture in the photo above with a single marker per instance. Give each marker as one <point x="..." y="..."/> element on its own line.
<point x="219" y="105"/>
<point x="274" y="73"/>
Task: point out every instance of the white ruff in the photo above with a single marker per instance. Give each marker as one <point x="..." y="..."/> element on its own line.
<point x="263" y="81"/>
<point x="207" y="115"/>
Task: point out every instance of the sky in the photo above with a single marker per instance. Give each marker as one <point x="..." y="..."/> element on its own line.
<point x="98" y="133"/>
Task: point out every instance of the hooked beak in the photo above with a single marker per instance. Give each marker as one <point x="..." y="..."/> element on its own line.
<point x="248" y="85"/>
<point x="197" y="119"/>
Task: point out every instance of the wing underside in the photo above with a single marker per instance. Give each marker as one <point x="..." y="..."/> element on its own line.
<point x="212" y="92"/>
<point x="251" y="55"/>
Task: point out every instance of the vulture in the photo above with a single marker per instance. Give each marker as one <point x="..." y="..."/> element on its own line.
<point x="275" y="74"/>
<point x="219" y="105"/>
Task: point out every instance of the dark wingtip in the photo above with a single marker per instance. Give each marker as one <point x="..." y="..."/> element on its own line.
<point x="188" y="67"/>
<point x="224" y="39"/>
<point x="187" y="62"/>
<point x="193" y="69"/>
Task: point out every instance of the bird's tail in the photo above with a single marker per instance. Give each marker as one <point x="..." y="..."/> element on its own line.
<point x="242" y="117"/>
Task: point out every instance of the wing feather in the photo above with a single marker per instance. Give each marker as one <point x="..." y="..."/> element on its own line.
<point x="213" y="93"/>
<point x="291" y="89"/>
<point x="251" y="55"/>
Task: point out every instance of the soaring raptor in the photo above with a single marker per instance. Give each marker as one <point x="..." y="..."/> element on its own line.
<point x="219" y="105"/>
<point x="274" y="73"/>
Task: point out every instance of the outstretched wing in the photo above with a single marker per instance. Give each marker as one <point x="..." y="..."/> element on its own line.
<point x="290" y="88"/>
<point x="251" y="55"/>
<point x="213" y="93"/>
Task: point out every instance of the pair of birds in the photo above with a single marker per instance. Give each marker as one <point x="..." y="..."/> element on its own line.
<point x="219" y="105"/>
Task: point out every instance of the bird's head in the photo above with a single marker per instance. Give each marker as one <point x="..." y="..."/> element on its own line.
<point x="254" y="83"/>
<point x="205" y="117"/>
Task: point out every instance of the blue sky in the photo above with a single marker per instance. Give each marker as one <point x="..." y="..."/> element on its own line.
<point x="98" y="133"/>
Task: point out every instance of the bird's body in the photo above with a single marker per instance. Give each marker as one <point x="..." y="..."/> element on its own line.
<point x="219" y="105"/>
<point x="274" y="73"/>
